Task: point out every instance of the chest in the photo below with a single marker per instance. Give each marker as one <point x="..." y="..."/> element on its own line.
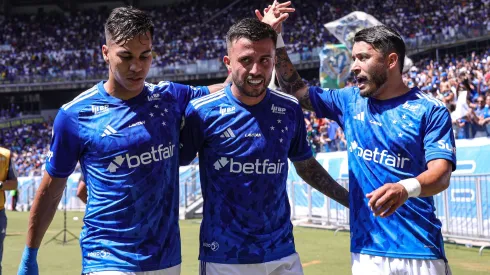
<point x="245" y="133"/>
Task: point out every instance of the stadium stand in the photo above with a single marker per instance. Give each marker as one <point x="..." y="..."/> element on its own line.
<point x="67" y="48"/>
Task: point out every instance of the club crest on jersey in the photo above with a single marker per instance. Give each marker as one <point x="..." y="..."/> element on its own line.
<point x="227" y="110"/>
<point x="278" y="110"/>
<point x="99" y="109"/>
<point x="154" y="97"/>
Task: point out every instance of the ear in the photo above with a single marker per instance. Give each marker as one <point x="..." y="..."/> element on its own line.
<point x="105" y="53"/>
<point x="227" y="61"/>
<point x="392" y="60"/>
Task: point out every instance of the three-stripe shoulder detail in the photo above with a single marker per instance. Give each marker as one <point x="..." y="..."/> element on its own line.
<point x="89" y="93"/>
<point x="284" y="96"/>
<point x="199" y="102"/>
<point x="435" y="101"/>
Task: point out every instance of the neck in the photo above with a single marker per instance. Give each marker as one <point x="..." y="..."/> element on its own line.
<point x="393" y="87"/>
<point x="114" y="89"/>
<point x="247" y="100"/>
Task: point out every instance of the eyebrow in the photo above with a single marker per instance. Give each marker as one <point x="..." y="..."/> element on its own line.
<point x="128" y="52"/>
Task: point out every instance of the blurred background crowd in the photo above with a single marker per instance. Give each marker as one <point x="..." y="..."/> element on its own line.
<point x="195" y="31"/>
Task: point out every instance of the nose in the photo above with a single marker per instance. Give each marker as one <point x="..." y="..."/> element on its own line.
<point x="355" y="68"/>
<point x="255" y="70"/>
<point x="135" y="65"/>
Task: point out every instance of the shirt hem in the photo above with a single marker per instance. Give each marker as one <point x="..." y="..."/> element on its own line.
<point x="399" y="255"/>
<point x="219" y="260"/>
<point x="100" y="268"/>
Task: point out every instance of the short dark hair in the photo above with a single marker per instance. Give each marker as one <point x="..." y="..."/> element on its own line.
<point x="385" y="40"/>
<point x="125" y="23"/>
<point x="252" y="29"/>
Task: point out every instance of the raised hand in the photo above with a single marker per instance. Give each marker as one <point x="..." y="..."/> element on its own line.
<point x="275" y="14"/>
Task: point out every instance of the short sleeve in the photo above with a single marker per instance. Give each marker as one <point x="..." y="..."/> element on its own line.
<point x="65" y="146"/>
<point x="439" y="140"/>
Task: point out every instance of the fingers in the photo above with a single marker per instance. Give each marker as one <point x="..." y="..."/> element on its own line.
<point x="384" y="207"/>
<point x="391" y="210"/>
<point x="259" y="16"/>
<point x="375" y="196"/>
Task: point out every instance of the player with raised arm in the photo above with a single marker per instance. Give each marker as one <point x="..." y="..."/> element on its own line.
<point x="245" y="135"/>
<point x="125" y="133"/>
<point x="401" y="153"/>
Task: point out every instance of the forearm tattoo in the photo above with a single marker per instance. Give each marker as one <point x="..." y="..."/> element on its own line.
<point x="289" y="79"/>
<point x="315" y="175"/>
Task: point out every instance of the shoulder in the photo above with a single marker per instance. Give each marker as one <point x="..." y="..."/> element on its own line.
<point x="425" y="101"/>
<point x="82" y="101"/>
<point x="279" y="97"/>
<point x="207" y="102"/>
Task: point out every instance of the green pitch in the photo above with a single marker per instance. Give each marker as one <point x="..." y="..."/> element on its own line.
<point x="321" y="251"/>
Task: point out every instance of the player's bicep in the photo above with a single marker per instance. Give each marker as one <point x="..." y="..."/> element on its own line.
<point x="191" y="136"/>
<point x="329" y="103"/>
<point x="439" y="142"/>
<point x="65" y="146"/>
<point x="300" y="148"/>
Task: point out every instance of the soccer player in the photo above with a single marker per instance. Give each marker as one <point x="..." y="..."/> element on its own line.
<point x="245" y="135"/>
<point x="401" y="153"/>
<point x="125" y="133"/>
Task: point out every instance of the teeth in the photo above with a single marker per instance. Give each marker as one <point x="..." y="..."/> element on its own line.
<point x="254" y="81"/>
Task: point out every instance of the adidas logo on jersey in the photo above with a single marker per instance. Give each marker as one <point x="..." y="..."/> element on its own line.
<point x="278" y="110"/>
<point x="258" y="167"/>
<point x="99" y="109"/>
<point x="227" y="110"/>
<point x="396" y="161"/>
<point x="228" y="133"/>
<point x="108" y="131"/>
<point x="360" y="116"/>
<point x="154" y="155"/>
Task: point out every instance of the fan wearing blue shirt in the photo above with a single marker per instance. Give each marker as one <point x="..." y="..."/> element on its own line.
<point x="401" y="152"/>
<point x="244" y="135"/>
<point x="125" y="134"/>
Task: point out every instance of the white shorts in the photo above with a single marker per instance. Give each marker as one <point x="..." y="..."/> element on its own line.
<point x="290" y="265"/>
<point x="376" y="265"/>
<point x="174" y="270"/>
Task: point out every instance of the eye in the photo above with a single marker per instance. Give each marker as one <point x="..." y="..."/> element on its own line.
<point x="126" y="57"/>
<point x="245" y="60"/>
<point x="265" y="60"/>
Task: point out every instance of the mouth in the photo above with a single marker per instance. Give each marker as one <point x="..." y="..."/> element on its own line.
<point x="135" y="79"/>
<point x="361" y="81"/>
<point x="255" y="82"/>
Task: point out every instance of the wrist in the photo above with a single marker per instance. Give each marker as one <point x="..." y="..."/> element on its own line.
<point x="413" y="187"/>
<point x="30" y="253"/>
<point x="280" y="41"/>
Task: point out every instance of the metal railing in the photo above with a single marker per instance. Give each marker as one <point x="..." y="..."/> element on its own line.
<point x="463" y="209"/>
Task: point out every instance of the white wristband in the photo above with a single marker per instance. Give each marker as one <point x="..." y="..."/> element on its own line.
<point x="413" y="187"/>
<point x="280" y="42"/>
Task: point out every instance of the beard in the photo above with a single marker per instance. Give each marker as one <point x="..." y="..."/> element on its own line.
<point x="249" y="90"/>
<point x="374" y="81"/>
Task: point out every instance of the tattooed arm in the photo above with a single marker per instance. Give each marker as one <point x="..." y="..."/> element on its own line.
<point x="315" y="175"/>
<point x="290" y="81"/>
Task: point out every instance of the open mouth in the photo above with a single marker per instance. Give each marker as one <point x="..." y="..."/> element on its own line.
<point x="361" y="81"/>
<point x="255" y="82"/>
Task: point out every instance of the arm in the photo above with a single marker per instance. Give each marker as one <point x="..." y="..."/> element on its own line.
<point x="11" y="182"/>
<point x="315" y="175"/>
<point x="386" y="199"/>
<point x="289" y="79"/>
<point x="82" y="191"/>
<point x="287" y="76"/>
<point x="44" y="207"/>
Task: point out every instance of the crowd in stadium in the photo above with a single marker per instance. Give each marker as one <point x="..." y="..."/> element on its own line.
<point x="68" y="44"/>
